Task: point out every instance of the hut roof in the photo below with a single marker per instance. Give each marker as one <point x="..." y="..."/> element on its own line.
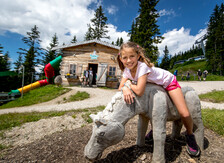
<point x="86" y="42"/>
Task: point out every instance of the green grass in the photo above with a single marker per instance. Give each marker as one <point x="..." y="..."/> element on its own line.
<point x="213" y="119"/>
<point x="106" y="88"/>
<point x="78" y="96"/>
<point x="214" y="96"/>
<point x="10" y="120"/>
<point x="3" y="147"/>
<point x="7" y="121"/>
<point x="212" y="77"/>
<point x="86" y="117"/>
<point x="193" y="67"/>
<point x="36" y="96"/>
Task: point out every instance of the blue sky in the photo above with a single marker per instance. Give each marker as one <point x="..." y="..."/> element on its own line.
<point x="181" y="22"/>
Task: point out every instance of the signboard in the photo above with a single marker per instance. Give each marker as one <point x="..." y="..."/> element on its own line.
<point x="94" y="56"/>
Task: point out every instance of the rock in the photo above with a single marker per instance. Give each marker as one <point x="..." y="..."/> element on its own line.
<point x="58" y="80"/>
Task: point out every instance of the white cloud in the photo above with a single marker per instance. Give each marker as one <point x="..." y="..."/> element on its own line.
<point x="52" y="16"/>
<point x="167" y="15"/>
<point x="39" y="68"/>
<point x="114" y="34"/>
<point x="165" y="12"/>
<point x="112" y="9"/>
<point x="179" y="40"/>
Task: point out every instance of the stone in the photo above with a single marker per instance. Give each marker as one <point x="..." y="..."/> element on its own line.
<point x="154" y="106"/>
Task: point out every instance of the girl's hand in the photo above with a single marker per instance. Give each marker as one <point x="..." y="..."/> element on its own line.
<point x="128" y="95"/>
<point x="128" y="82"/>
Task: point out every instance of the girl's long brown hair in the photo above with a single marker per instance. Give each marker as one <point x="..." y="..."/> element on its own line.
<point x="138" y="49"/>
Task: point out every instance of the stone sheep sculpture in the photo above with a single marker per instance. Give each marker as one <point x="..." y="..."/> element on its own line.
<point x="156" y="106"/>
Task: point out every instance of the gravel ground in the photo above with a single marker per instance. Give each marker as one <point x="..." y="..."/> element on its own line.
<point x="204" y="86"/>
<point x="67" y="146"/>
<point x="62" y="139"/>
<point x="103" y="97"/>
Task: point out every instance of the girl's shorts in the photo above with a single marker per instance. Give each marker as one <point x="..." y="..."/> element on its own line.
<point x="173" y="85"/>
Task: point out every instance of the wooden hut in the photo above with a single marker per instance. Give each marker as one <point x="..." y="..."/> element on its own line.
<point x="99" y="55"/>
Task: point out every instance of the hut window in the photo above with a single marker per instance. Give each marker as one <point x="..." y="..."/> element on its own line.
<point x="112" y="71"/>
<point x="72" y="68"/>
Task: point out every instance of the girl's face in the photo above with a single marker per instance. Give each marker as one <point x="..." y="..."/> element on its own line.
<point x="129" y="58"/>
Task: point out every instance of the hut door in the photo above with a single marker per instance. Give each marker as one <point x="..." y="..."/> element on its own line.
<point x="101" y="74"/>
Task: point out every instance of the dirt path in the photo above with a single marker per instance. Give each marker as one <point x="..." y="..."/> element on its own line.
<point x="103" y="96"/>
<point x="98" y="97"/>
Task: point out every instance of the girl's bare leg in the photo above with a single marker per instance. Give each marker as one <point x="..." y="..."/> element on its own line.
<point x="178" y="99"/>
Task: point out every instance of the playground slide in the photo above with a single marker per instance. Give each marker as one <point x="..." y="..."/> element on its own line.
<point x="49" y="73"/>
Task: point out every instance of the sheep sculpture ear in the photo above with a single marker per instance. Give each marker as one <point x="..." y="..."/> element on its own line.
<point x="100" y="121"/>
<point x="92" y="116"/>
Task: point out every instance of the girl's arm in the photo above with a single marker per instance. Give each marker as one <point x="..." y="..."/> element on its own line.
<point x="128" y="95"/>
<point x="140" y="87"/>
<point x="123" y="80"/>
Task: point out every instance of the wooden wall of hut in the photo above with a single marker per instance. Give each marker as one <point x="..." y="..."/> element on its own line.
<point x="82" y="57"/>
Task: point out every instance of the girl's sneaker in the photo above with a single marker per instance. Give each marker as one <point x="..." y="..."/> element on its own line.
<point x="149" y="137"/>
<point x="192" y="147"/>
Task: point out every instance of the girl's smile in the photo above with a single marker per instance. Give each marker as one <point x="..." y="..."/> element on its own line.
<point x="129" y="58"/>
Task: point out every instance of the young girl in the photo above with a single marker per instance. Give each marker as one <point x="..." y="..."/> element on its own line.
<point x="138" y="68"/>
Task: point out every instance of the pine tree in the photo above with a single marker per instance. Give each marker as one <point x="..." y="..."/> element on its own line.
<point x="18" y="63"/>
<point x="7" y="82"/>
<point x="32" y="40"/>
<point x="1" y="50"/>
<point x="165" y="64"/>
<point x="17" y="80"/>
<point x="221" y="37"/>
<point x="51" y="54"/>
<point x="121" y="41"/>
<point x="118" y="42"/>
<point x="74" y="40"/>
<point x="145" y="31"/>
<point x="99" y="23"/>
<point x="89" y="33"/>
<point x="215" y="41"/>
<point x="172" y="61"/>
<point x="5" y="62"/>
<point x="131" y="32"/>
<point x="2" y="61"/>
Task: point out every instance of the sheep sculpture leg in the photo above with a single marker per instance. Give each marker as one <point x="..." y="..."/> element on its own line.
<point x="176" y="128"/>
<point x="159" y="117"/>
<point x="194" y="106"/>
<point x="142" y="128"/>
